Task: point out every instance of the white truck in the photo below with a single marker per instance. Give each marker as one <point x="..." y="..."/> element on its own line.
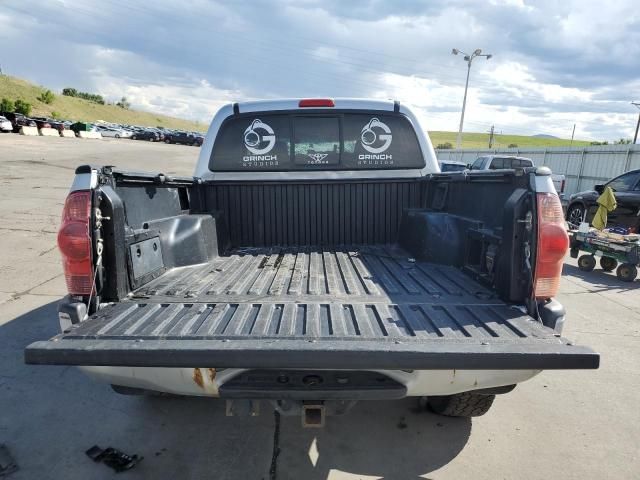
<point x="498" y="162"/>
<point x="317" y="257"/>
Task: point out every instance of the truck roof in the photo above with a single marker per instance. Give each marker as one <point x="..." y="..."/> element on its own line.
<point x="338" y="103"/>
<point x="358" y="105"/>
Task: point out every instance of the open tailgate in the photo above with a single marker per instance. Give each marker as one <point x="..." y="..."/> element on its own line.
<point x="312" y="335"/>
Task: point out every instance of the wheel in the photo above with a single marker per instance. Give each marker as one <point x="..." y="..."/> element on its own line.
<point x="627" y="272"/>
<point x="117" y="135"/>
<point x="134" y="137"/>
<point x="608" y="264"/>
<point x="586" y="263"/>
<point x="575" y="214"/>
<point x="167" y="141"/>
<point x="465" y="404"/>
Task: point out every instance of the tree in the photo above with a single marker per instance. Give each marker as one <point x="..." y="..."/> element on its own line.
<point x="7" y="105"/>
<point x="47" y="97"/>
<point x="123" y="103"/>
<point x="55" y="115"/>
<point x="444" y="146"/>
<point x="622" y="141"/>
<point x="513" y="145"/>
<point x="23" y="107"/>
<point x="70" y="92"/>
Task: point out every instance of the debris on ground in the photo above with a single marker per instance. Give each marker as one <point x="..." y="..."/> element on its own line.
<point x="7" y="464"/>
<point x="113" y="458"/>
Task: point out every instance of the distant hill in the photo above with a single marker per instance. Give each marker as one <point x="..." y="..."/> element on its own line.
<point x="481" y="140"/>
<point x="544" y="135"/>
<point x="71" y="108"/>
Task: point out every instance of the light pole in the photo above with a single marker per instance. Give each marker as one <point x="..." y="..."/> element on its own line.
<point x="469" y="59"/>
<point x="635" y="137"/>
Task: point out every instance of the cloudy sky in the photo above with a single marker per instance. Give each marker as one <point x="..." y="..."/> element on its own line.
<point x="554" y="63"/>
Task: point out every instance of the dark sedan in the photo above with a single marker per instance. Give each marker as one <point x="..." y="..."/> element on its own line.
<point x="184" y="138"/>
<point x="150" y="135"/>
<point x="583" y="205"/>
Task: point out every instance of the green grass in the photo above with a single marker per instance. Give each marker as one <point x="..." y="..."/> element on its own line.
<point x="481" y="140"/>
<point x="71" y="108"/>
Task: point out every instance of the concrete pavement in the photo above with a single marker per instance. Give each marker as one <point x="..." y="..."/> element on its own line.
<point x="561" y="424"/>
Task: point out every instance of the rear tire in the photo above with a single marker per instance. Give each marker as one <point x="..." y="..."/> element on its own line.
<point x="167" y="141"/>
<point x="134" y="137"/>
<point x="608" y="264"/>
<point x="586" y="263"/>
<point x="627" y="272"/>
<point x="465" y="404"/>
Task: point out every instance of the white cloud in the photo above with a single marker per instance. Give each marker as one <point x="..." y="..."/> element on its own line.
<point x="554" y="64"/>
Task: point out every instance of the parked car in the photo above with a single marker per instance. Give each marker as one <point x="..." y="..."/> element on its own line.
<point x="183" y="138"/>
<point x="41" y="122"/>
<point x="57" y="125"/>
<point x="18" y="120"/>
<point x="499" y="162"/>
<point x="293" y="270"/>
<point x="626" y="188"/>
<point x="5" y="125"/>
<point x="113" y="132"/>
<point x="150" y="135"/>
<point x="451" y="166"/>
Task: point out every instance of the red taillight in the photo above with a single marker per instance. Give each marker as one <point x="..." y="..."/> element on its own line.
<point x="74" y="242"/>
<point x="316" y="102"/>
<point x="562" y="186"/>
<point x="553" y="243"/>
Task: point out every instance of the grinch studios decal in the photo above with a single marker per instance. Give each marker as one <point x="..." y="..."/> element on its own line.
<point x="259" y="138"/>
<point x="376" y="139"/>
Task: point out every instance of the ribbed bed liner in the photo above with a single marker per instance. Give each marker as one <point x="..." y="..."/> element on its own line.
<point x="356" y="274"/>
<point x="352" y="307"/>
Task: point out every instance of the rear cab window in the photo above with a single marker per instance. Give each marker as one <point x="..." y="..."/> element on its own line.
<point x="299" y="140"/>
<point x="499" y="163"/>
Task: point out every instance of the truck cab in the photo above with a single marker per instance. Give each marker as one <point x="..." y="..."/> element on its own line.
<point x="316" y="258"/>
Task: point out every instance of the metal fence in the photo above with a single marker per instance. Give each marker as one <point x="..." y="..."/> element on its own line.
<point x="583" y="167"/>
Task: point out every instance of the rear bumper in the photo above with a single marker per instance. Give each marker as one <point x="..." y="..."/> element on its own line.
<point x="208" y="381"/>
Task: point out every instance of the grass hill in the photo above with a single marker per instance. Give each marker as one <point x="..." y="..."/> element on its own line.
<point x="481" y="140"/>
<point x="71" y="108"/>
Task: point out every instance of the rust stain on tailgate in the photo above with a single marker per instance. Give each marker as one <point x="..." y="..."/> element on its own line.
<point x="197" y="377"/>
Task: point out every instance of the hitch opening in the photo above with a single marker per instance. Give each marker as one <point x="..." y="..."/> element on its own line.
<point x="313" y="415"/>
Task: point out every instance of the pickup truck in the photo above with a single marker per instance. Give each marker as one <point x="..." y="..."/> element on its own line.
<point x="317" y="257"/>
<point x="496" y="162"/>
<point x="183" y="138"/>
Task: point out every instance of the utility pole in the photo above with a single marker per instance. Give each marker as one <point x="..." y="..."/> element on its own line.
<point x="491" y="137"/>
<point x="635" y="137"/>
<point x="469" y="59"/>
<point x="572" y="134"/>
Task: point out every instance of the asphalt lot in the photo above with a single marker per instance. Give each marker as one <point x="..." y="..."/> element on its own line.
<point x="561" y="424"/>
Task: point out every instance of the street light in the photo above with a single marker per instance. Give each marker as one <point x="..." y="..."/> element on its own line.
<point x="469" y="59"/>
<point x="635" y="137"/>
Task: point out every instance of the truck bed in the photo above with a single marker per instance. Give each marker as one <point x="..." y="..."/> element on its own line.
<point x="351" y="307"/>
